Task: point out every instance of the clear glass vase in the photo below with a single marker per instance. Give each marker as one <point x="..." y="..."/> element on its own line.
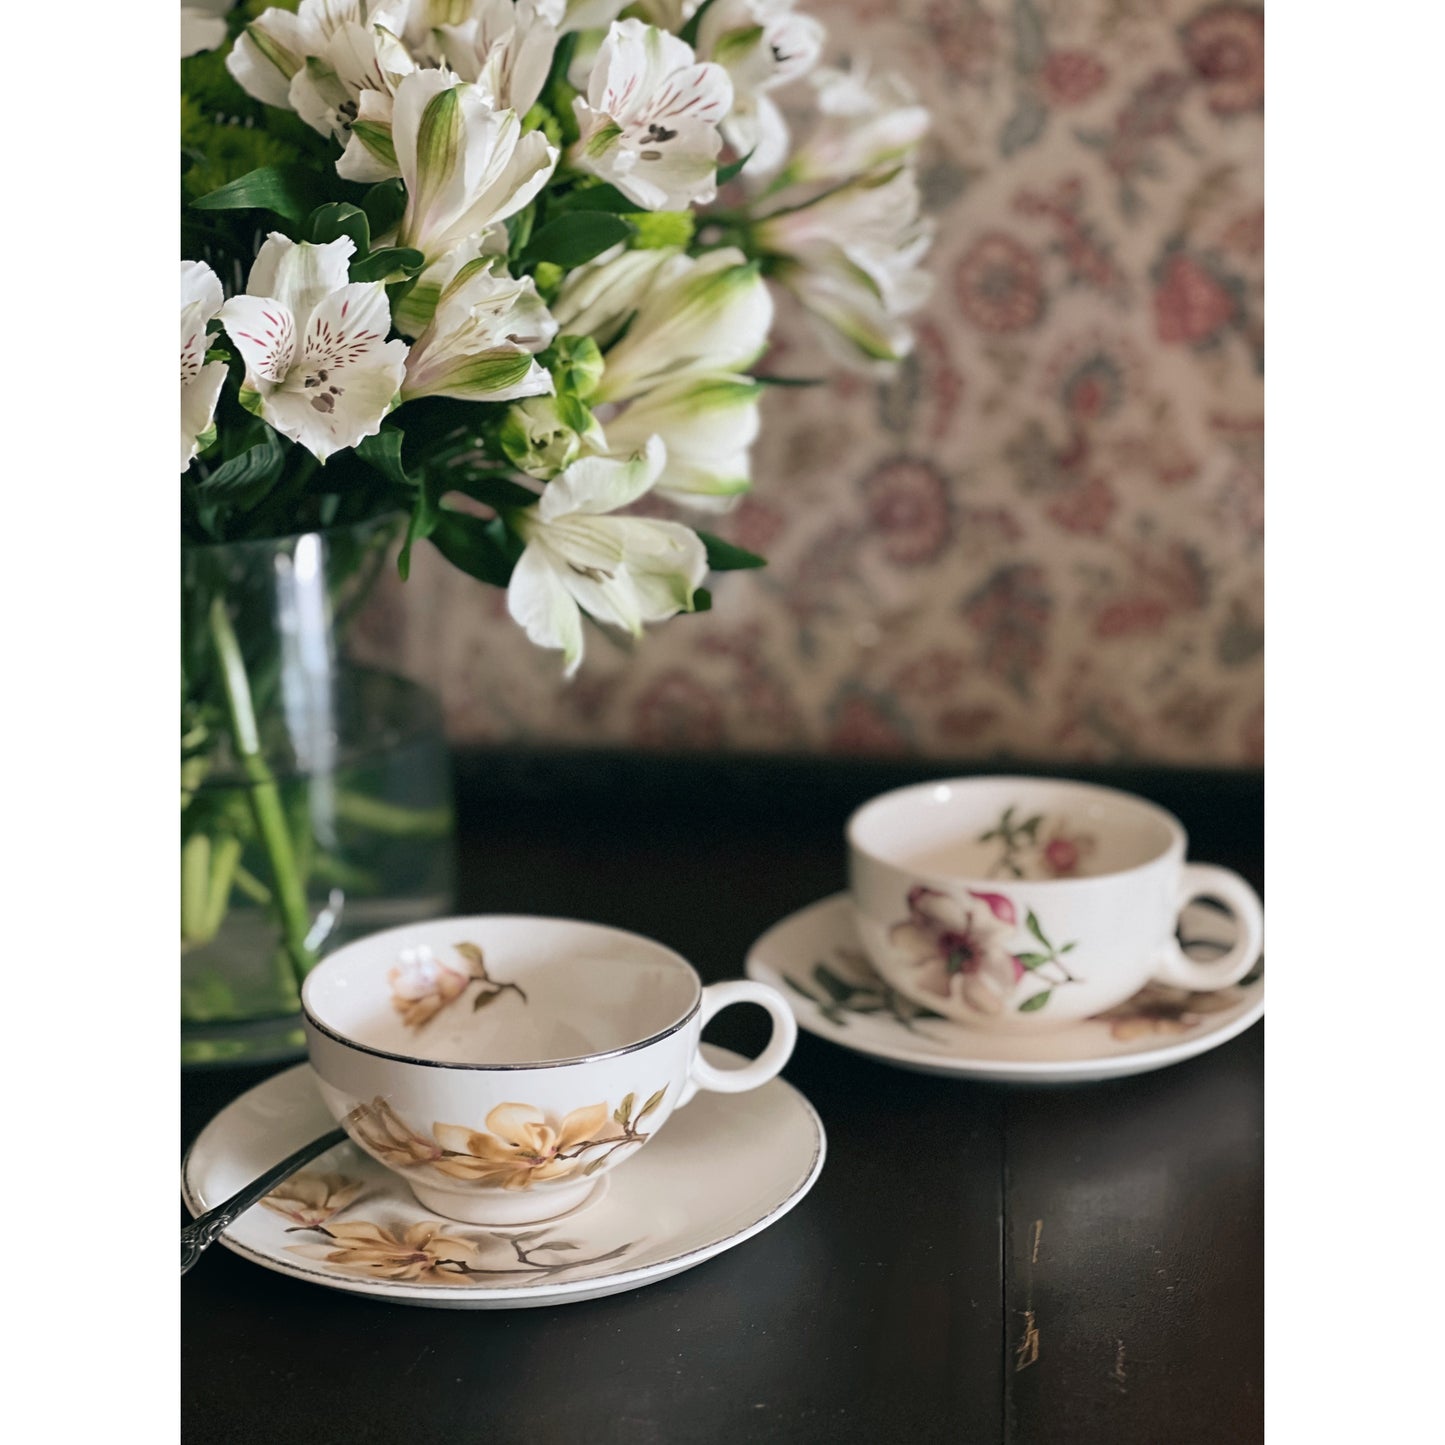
<point x="316" y="796"/>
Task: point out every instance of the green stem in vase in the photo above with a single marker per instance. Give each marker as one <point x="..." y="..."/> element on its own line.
<point x="289" y="895"/>
<point x="391" y="818"/>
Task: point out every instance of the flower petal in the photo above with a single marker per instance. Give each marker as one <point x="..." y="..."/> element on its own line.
<point x="538" y="599"/>
<point x="264" y="332"/>
<point x="581" y="1125"/>
<point x="603" y="484"/>
<point x="523" y="1125"/>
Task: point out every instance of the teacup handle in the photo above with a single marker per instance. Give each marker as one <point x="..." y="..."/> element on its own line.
<point x="767" y="1065"/>
<point x="1205" y="880"/>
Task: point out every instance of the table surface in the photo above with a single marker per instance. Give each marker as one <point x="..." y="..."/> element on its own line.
<point x="976" y="1263"/>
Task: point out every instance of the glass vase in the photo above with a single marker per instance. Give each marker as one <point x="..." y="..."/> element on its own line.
<point x="316" y="796"/>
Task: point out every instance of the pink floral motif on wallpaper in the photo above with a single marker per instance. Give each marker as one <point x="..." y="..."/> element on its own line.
<point x="1042" y="535"/>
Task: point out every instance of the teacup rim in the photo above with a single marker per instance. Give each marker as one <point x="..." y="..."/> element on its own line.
<point x="531" y="1066"/>
<point x="1177" y="847"/>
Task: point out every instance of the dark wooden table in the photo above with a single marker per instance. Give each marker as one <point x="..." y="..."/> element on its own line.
<point x="976" y="1263"/>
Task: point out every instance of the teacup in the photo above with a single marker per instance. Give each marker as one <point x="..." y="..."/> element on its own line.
<point x="503" y="1065"/>
<point x="1025" y="903"/>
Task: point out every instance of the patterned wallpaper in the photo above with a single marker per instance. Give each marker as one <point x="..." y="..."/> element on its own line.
<point x="1044" y="534"/>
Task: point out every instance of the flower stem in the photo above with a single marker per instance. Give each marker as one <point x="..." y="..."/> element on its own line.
<point x="289" y="895"/>
<point x="392" y="818"/>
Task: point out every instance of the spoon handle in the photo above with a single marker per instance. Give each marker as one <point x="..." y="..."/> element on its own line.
<point x="201" y="1232"/>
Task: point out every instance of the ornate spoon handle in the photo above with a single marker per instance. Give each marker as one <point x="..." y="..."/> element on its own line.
<point x="199" y="1234"/>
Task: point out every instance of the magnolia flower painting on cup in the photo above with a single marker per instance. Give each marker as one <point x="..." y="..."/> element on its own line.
<point x="506" y="266"/>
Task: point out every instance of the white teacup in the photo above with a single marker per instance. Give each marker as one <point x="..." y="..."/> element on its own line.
<point x="501" y="1065"/>
<point x="1026" y="904"/>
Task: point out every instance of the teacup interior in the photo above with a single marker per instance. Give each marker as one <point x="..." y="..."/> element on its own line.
<point x="1012" y="828"/>
<point x="500" y="991"/>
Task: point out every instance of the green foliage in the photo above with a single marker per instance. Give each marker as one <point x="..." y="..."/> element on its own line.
<point x="571" y="240"/>
<point x="725" y="557"/>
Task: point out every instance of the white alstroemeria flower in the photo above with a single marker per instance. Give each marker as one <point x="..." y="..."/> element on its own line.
<point x="865" y="123"/>
<point x="695" y="316"/>
<point x="649" y="122"/>
<point x="505" y="46"/>
<point x="346" y="92"/>
<point x="852" y="258"/>
<point x="201" y="380"/>
<point x="693" y="324"/>
<point x="480" y="343"/>
<point x="623" y="571"/>
<point x="466" y="165"/>
<point x="762" y="44"/>
<point x="274" y="47"/>
<point x="708" y="424"/>
<point x="203" y="25"/>
<point x="318" y="366"/>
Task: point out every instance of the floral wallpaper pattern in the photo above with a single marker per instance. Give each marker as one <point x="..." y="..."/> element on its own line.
<point x="1044" y="534"/>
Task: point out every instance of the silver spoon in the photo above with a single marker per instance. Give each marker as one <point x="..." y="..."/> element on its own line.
<point x="202" y="1231"/>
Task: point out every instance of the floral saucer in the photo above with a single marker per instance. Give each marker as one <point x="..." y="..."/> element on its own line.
<point x="815" y="958"/>
<point x="725" y="1168"/>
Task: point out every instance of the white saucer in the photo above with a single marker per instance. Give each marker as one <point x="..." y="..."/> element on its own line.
<point x="725" y="1168"/>
<point x="815" y="958"/>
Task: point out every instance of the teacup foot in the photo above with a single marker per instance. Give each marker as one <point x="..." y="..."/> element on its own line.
<point x="497" y="1210"/>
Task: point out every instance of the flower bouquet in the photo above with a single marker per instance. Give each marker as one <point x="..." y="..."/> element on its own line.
<point x="492" y="276"/>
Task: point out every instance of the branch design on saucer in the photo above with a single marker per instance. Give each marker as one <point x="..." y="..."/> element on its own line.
<point x="835" y="996"/>
<point x="432" y="1252"/>
<point x="422" y="985"/>
<point x="520" y="1146"/>
<point x="1037" y="847"/>
<point x="964" y="949"/>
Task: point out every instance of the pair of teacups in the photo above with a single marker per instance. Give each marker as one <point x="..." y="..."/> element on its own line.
<point x="503" y="1066"/>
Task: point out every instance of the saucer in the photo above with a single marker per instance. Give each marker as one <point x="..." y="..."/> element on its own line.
<point x="724" y="1169"/>
<point x="815" y="959"/>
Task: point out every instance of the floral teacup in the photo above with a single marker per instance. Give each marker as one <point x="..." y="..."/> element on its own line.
<point x="1026" y="904"/>
<point x="500" y="1065"/>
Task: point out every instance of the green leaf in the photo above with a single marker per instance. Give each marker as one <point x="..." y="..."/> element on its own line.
<point x="653" y="1100"/>
<point x="1032" y="923"/>
<point x="245" y="479"/>
<point x="730" y="171"/>
<point x="384" y="204"/>
<point x="791" y="380"/>
<point x="1032" y="960"/>
<point x="499" y="493"/>
<point x="483" y="999"/>
<point x="1034" y="1004"/>
<point x="571" y="240"/>
<point x="623" y="1112"/>
<point x="593" y="198"/>
<point x="382" y="452"/>
<point x="701" y="600"/>
<point x="336" y="219"/>
<point x="689" y="31"/>
<point x="387" y="263"/>
<point x="725" y="557"/>
<point x="483" y="550"/>
<point x="1069" y="947"/>
<point x="425" y="512"/>
<point x="291" y="191"/>
<point x="595" y="1165"/>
